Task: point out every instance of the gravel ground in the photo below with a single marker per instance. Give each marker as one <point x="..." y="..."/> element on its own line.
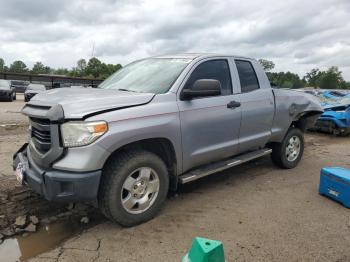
<point x="259" y="212"/>
<point x="10" y="111"/>
<point x="13" y="126"/>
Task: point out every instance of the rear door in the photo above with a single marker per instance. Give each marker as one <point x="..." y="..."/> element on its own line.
<point x="209" y="127"/>
<point x="257" y="104"/>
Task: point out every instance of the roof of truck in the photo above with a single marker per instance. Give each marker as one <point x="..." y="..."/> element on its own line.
<point x="196" y="55"/>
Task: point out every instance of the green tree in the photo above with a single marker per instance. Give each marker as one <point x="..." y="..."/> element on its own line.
<point x="285" y="80"/>
<point x="267" y="64"/>
<point x="61" y="71"/>
<point x="2" y="65"/>
<point x="80" y="69"/>
<point x="40" y="68"/>
<point x="108" y="69"/>
<point x="81" y="66"/>
<point x="346" y="85"/>
<point x="94" y="67"/>
<point x="313" y="77"/>
<point x="18" y="67"/>
<point x="331" y="79"/>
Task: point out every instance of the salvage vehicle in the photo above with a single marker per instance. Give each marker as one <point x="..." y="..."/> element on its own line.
<point x="32" y="90"/>
<point x="335" y="119"/>
<point x="7" y="92"/>
<point x="19" y="85"/>
<point x="157" y="123"/>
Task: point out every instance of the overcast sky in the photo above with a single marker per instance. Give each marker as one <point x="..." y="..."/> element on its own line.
<point x="297" y="35"/>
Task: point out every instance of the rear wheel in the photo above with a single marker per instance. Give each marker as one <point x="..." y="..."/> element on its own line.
<point x="288" y="153"/>
<point x="134" y="187"/>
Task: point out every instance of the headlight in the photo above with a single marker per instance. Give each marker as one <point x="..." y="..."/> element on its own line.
<point x="82" y="133"/>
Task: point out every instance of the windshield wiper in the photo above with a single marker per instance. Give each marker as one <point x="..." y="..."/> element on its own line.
<point x="127" y="90"/>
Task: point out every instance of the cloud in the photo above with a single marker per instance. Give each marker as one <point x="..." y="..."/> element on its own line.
<point x="38" y="10"/>
<point x="297" y="35"/>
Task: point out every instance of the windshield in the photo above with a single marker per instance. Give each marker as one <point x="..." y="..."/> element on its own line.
<point x="19" y="83"/>
<point x="4" y="84"/>
<point x="154" y="75"/>
<point x="36" y="87"/>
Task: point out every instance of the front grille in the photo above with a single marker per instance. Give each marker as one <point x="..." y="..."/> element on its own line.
<point x="41" y="134"/>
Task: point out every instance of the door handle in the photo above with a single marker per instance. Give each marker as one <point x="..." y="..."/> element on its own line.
<point x="233" y="104"/>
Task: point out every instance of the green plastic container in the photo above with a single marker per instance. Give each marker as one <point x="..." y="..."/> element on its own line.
<point x="205" y="250"/>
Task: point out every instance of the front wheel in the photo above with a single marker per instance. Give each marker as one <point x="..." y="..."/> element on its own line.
<point x="134" y="187"/>
<point x="288" y="153"/>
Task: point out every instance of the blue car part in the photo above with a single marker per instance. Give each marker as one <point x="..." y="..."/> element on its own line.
<point x="333" y="94"/>
<point x="335" y="120"/>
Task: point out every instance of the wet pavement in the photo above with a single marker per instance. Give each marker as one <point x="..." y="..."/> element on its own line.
<point x="48" y="237"/>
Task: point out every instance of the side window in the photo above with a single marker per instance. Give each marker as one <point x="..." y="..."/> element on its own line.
<point x="247" y="76"/>
<point x="213" y="69"/>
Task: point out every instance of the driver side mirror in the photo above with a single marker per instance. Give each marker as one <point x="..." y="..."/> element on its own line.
<point x="202" y="87"/>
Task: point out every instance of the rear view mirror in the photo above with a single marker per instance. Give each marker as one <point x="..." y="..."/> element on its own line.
<point x="202" y="87"/>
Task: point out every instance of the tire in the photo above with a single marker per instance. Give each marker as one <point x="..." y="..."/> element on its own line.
<point x="14" y="96"/>
<point x="287" y="154"/>
<point x="122" y="180"/>
<point x="11" y="98"/>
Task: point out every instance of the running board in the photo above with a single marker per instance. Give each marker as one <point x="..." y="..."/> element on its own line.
<point x="222" y="165"/>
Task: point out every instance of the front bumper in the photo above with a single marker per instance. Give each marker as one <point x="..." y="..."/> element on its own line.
<point x="57" y="185"/>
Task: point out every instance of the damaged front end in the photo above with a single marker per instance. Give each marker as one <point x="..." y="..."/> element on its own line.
<point x="335" y="120"/>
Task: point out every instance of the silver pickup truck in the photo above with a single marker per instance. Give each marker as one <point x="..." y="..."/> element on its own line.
<point x="154" y="124"/>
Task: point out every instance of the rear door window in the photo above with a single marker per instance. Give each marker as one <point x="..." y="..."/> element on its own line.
<point x="247" y="76"/>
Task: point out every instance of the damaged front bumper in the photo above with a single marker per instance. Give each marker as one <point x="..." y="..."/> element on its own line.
<point x="55" y="185"/>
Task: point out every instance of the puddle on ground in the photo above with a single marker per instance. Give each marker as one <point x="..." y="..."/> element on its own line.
<point x="46" y="238"/>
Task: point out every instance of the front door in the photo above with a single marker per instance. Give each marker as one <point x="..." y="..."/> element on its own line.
<point x="209" y="125"/>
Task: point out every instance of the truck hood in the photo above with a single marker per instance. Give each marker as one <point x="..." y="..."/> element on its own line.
<point x="78" y="103"/>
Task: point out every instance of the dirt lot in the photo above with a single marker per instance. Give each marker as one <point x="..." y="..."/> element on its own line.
<point x="259" y="212"/>
<point x="13" y="127"/>
<point x="9" y="111"/>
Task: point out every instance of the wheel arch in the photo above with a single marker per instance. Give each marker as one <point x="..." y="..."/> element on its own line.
<point x="305" y="120"/>
<point x="160" y="146"/>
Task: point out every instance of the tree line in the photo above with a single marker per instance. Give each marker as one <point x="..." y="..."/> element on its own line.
<point x="93" y="68"/>
<point x="328" y="79"/>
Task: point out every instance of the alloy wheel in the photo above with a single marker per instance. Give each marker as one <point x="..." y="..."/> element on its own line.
<point x="140" y="190"/>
